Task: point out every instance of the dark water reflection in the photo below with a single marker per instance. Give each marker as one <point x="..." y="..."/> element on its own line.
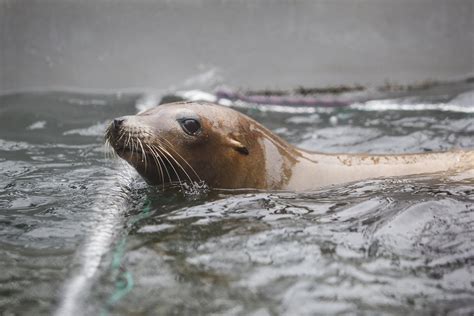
<point x="391" y="246"/>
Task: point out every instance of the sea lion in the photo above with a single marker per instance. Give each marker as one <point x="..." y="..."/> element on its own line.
<point x="198" y="141"/>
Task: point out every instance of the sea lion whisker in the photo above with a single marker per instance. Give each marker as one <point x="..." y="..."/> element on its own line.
<point x="106" y="149"/>
<point x="107" y="145"/>
<point x="108" y="152"/>
<point x="171" y="164"/>
<point x="155" y="157"/>
<point x="157" y="153"/>
<point x="143" y="152"/>
<point x="126" y="142"/>
<point x="130" y="146"/>
<point x="121" y="136"/>
<point x="177" y="163"/>
<point x="129" y="140"/>
<point x="185" y="161"/>
<point x="134" y="146"/>
<point x="158" y="163"/>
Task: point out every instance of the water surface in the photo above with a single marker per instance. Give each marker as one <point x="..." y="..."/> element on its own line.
<point x="82" y="234"/>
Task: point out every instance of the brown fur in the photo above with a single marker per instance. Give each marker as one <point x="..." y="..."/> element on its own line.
<point x="234" y="151"/>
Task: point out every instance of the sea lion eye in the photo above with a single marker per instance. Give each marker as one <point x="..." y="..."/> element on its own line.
<point x="190" y="126"/>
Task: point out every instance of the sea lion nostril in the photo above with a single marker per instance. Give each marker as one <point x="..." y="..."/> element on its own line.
<point x="118" y="122"/>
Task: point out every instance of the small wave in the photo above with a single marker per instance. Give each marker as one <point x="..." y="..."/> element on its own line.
<point x="397" y="105"/>
<point x="147" y="101"/>
<point x="37" y="125"/>
<point x="198" y="95"/>
<point x="6" y="145"/>
<point x="210" y="76"/>
<point x="80" y="101"/>
<point x="94" y="130"/>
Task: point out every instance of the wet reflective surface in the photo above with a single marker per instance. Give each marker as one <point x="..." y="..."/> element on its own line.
<point x="80" y="234"/>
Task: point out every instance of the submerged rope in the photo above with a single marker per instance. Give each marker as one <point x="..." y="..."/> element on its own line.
<point x="124" y="282"/>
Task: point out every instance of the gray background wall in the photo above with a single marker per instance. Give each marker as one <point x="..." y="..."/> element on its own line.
<point x="124" y="44"/>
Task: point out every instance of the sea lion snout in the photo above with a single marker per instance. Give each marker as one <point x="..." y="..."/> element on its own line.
<point x="117" y="122"/>
<point x="125" y="123"/>
<point x="121" y="129"/>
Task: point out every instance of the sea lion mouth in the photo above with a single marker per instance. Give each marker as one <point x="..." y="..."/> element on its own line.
<point x="134" y="151"/>
<point x="122" y="149"/>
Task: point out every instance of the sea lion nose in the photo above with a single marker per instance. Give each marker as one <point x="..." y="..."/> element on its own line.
<point x="118" y="122"/>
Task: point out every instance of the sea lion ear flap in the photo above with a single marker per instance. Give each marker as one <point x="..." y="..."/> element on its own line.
<point x="238" y="146"/>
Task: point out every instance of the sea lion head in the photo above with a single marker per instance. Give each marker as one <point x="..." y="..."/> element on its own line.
<point x="192" y="142"/>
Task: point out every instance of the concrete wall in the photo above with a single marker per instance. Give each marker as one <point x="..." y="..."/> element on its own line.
<point x="124" y="44"/>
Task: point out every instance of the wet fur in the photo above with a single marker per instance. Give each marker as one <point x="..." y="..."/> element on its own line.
<point x="234" y="151"/>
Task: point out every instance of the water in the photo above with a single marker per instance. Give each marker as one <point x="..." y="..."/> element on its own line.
<point x="81" y="234"/>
